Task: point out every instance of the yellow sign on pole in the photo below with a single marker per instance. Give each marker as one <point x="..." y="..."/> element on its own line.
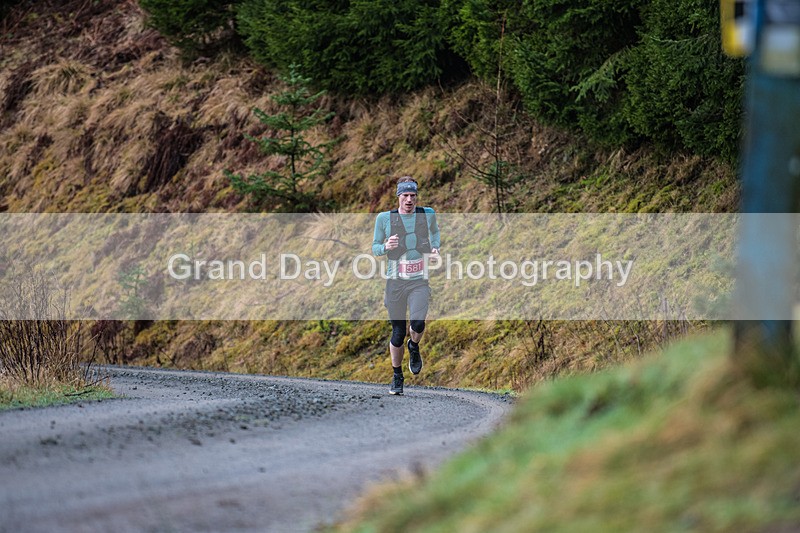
<point x="737" y="27"/>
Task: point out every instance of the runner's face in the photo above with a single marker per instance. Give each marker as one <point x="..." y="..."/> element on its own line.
<point x="408" y="202"/>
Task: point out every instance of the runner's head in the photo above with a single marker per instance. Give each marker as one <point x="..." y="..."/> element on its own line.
<point x="407" y="194"/>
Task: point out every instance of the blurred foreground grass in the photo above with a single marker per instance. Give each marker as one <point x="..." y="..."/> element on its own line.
<point x="678" y="441"/>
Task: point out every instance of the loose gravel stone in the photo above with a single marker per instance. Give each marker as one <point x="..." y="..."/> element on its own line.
<point x="290" y="453"/>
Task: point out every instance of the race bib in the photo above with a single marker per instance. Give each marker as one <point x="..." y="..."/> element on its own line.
<point x="409" y="269"/>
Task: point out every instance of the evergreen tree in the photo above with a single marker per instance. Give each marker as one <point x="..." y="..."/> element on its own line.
<point x="132" y="282"/>
<point x="284" y="189"/>
<point x="193" y="25"/>
<point x="351" y="47"/>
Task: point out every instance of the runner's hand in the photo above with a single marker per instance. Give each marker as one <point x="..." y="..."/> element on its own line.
<point x="435" y="251"/>
<point x="392" y="242"/>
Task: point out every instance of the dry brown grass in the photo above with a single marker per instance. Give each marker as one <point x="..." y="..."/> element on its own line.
<point x="229" y="102"/>
<point x="63" y="77"/>
<point x="103" y="99"/>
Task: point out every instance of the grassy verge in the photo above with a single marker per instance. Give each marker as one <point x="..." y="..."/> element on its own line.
<point x="17" y="396"/>
<point x="492" y="355"/>
<point x="678" y="441"/>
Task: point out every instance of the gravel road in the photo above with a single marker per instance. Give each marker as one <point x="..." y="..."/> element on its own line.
<point x="197" y="451"/>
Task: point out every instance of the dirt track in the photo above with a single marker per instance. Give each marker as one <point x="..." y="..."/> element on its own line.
<point x="193" y="451"/>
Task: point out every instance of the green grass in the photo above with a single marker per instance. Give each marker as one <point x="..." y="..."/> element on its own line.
<point x="680" y="441"/>
<point x="14" y="397"/>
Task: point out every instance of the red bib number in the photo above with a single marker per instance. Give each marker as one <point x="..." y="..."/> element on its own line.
<point x="407" y="269"/>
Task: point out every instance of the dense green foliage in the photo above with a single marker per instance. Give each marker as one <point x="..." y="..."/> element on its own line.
<point x="621" y="71"/>
<point x="477" y="32"/>
<point x="191" y="24"/>
<point x="681" y="90"/>
<point x="360" y="46"/>
<point x="567" y="60"/>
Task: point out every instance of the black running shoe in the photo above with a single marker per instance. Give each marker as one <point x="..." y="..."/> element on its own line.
<point x="415" y="359"/>
<point x="397" y="384"/>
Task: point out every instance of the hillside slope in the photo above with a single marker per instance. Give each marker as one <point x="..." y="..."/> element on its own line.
<point x="98" y="113"/>
<point x="680" y="441"/>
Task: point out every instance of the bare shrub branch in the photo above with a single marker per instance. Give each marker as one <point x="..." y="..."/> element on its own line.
<point x="38" y="345"/>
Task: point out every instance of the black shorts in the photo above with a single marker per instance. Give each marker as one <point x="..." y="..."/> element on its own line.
<point x="412" y="295"/>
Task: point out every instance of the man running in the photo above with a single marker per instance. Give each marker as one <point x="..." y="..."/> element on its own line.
<point x="404" y="235"/>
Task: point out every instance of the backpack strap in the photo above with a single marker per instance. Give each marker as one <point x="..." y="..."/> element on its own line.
<point x="397" y="227"/>
<point x="421" y="231"/>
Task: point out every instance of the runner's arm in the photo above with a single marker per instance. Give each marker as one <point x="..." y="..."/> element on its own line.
<point x="379" y="236"/>
<point x="433" y="229"/>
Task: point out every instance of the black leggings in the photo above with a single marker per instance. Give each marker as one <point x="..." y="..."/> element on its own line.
<point x="399" y="330"/>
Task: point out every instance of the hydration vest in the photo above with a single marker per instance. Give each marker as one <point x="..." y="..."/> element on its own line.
<point x="420" y="230"/>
